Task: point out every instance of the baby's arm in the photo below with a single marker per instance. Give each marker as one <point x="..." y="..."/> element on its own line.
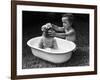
<point x="61" y="35"/>
<point x="70" y="32"/>
<point x="41" y="44"/>
<point x="64" y="35"/>
<point x="57" y="28"/>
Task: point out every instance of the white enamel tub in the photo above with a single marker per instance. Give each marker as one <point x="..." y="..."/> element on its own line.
<point x="62" y="54"/>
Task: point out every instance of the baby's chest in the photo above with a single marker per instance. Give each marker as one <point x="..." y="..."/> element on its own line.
<point x="48" y="41"/>
<point x="71" y="35"/>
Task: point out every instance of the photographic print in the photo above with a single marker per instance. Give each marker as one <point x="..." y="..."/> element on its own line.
<point x="51" y="39"/>
<point x="32" y="23"/>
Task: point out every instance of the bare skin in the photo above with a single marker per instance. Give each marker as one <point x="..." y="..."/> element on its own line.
<point x="66" y="32"/>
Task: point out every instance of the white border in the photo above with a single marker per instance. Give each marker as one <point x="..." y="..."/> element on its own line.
<point x="21" y="71"/>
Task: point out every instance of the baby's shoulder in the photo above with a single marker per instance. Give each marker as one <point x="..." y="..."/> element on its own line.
<point x="72" y="29"/>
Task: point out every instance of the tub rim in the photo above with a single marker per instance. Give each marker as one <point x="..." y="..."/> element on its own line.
<point x="43" y="50"/>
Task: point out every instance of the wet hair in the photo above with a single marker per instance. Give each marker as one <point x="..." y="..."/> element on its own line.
<point x="69" y="15"/>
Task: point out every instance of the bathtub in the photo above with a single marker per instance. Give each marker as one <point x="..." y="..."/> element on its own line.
<point x="60" y="55"/>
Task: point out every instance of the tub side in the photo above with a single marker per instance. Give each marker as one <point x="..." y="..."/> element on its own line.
<point x="51" y="58"/>
<point x="64" y="46"/>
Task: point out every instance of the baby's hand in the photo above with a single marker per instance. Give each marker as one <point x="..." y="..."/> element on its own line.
<point x="55" y="27"/>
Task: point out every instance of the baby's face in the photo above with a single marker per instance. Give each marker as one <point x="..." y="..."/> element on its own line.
<point x="66" y="22"/>
<point x="50" y="30"/>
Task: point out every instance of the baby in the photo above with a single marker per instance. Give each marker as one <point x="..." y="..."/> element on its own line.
<point x="65" y="32"/>
<point x="47" y="41"/>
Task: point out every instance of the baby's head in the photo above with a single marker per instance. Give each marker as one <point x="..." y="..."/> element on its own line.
<point x="47" y="28"/>
<point x="67" y="19"/>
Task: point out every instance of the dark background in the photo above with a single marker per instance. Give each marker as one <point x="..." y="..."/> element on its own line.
<point x="32" y="22"/>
